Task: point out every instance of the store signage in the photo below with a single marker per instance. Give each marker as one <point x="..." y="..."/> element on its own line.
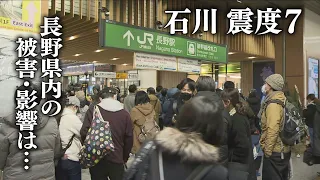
<point x="102" y="67"/>
<point x="100" y="74"/>
<point x="80" y="69"/>
<point x="150" y="61"/>
<point x="133" y="76"/>
<point x="189" y="65"/>
<point x="134" y="38"/>
<point x="122" y="76"/>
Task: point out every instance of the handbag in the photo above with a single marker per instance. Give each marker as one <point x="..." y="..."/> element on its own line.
<point x="98" y="142"/>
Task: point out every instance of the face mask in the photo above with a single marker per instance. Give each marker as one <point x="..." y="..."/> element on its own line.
<point x="185" y="96"/>
<point x="263" y="89"/>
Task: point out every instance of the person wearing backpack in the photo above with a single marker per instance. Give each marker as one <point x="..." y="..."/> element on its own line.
<point x="171" y="97"/>
<point x="111" y="110"/>
<point x="69" y="129"/>
<point x="142" y="114"/>
<point x="276" y="153"/>
<point x="155" y="102"/>
<point x="189" y="151"/>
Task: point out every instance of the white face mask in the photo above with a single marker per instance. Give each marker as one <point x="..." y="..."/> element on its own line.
<point x="263" y="89"/>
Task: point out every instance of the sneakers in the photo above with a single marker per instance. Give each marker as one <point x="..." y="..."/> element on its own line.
<point x="298" y="156"/>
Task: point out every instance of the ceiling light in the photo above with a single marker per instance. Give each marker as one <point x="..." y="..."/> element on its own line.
<point x="98" y="50"/>
<point x="77" y="55"/>
<point x="238" y="68"/>
<point x="231" y="53"/>
<point x="72" y="37"/>
<point x="114" y="59"/>
<point x="251" y="57"/>
<point x="124" y="64"/>
<point x="239" y="1"/>
<point x="95" y="61"/>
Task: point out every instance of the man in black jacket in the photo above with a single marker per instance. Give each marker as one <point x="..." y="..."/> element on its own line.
<point x="206" y="87"/>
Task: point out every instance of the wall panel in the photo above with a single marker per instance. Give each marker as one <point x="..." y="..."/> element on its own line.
<point x="169" y="79"/>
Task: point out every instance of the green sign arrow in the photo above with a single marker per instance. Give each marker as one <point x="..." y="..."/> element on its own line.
<point x="129" y="36"/>
<point x="138" y="39"/>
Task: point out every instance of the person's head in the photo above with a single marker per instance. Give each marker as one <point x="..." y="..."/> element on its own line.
<point x="151" y="90"/>
<point x="164" y="92"/>
<point x="311" y="98"/>
<point x="141" y="98"/>
<point x="132" y="88"/>
<point x="122" y="98"/>
<point x="205" y="83"/>
<point x="188" y="89"/>
<point x="73" y="103"/>
<point x="231" y="99"/>
<point x="108" y="92"/>
<point x="159" y="88"/>
<point x="196" y="116"/>
<point x="96" y="89"/>
<point x="273" y="83"/>
<point x="229" y="85"/>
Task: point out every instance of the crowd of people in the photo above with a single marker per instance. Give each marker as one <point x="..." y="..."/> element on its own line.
<point x="192" y="131"/>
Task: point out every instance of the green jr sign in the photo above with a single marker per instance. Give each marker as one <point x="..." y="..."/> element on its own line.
<point x="150" y="41"/>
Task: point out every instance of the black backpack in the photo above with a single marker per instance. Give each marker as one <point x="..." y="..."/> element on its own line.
<point x="293" y="127"/>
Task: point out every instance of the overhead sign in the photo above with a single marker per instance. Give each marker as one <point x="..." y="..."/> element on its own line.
<point x="189" y="65"/>
<point x="102" y="74"/>
<point x="132" y="38"/>
<point x="122" y="76"/>
<point x="150" y="61"/>
<point x="20" y="15"/>
<point x="102" y="67"/>
<point x="133" y="76"/>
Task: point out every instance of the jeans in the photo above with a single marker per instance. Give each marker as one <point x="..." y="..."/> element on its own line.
<point x="105" y="169"/>
<point x="69" y="170"/>
<point x="311" y="136"/>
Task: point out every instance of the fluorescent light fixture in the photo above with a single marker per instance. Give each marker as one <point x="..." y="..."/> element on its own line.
<point x="124" y="64"/>
<point x="251" y="57"/>
<point x="95" y="61"/>
<point x="77" y="55"/>
<point x="239" y="1"/>
<point x="98" y="50"/>
<point x="114" y="59"/>
<point x="72" y="37"/>
<point x="231" y="53"/>
<point x="239" y="68"/>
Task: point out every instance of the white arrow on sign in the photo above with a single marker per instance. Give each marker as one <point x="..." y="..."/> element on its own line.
<point x="129" y="36"/>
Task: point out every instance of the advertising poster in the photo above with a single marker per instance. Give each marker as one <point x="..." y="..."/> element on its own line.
<point x="261" y="70"/>
<point x="20" y="15"/>
<point x="313" y="78"/>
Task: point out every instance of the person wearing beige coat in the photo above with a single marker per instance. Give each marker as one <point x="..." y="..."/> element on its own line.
<point x="142" y="111"/>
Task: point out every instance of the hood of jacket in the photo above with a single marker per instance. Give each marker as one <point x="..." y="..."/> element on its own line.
<point x="153" y="97"/>
<point x="145" y="109"/>
<point x="111" y="105"/>
<point x="189" y="146"/>
<point x="171" y="92"/>
<point x="253" y="101"/>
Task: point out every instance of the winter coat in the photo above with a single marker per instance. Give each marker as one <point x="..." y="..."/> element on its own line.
<point x="309" y="114"/>
<point x="121" y="127"/>
<point x="155" y="102"/>
<point x="70" y="125"/>
<point x="172" y="112"/>
<point x="129" y="102"/>
<point x="42" y="159"/>
<point x="239" y="139"/>
<point x="255" y="104"/>
<point x="214" y="97"/>
<point x="138" y="115"/>
<point x="181" y="154"/>
<point x="167" y="103"/>
<point x="316" y="133"/>
<point x="271" y="123"/>
<point x="250" y="115"/>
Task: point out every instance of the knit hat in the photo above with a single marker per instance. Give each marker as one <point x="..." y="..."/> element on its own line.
<point x="275" y="81"/>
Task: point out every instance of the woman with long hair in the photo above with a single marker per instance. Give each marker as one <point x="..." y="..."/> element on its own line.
<point x="239" y="137"/>
<point x="189" y="150"/>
